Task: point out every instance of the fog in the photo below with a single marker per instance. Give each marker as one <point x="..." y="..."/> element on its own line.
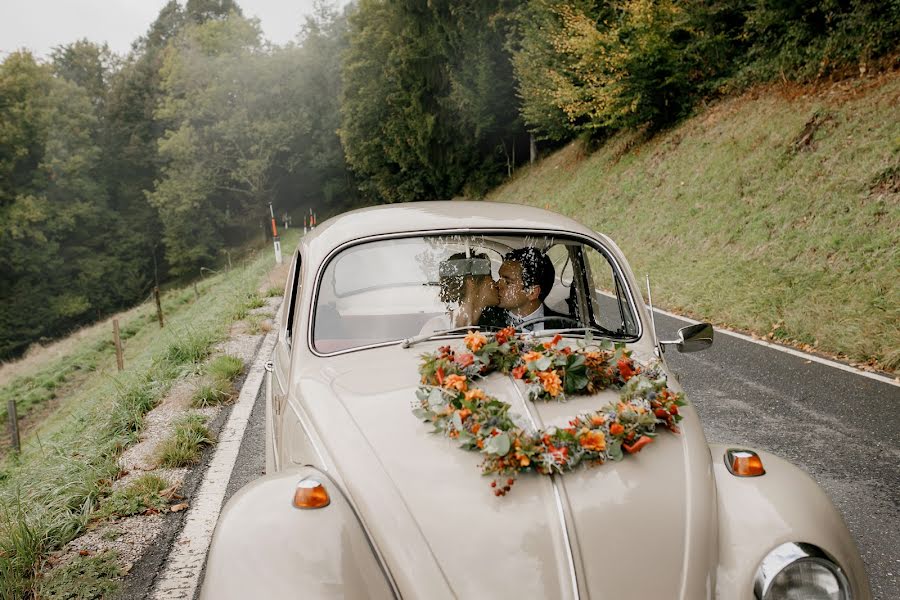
<point x="41" y="25"/>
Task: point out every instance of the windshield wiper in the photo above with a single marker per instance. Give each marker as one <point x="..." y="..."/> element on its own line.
<point x="427" y="336"/>
<point x="602" y="331"/>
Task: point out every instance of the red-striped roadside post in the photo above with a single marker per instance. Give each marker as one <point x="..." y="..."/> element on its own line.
<point x="275" y="236"/>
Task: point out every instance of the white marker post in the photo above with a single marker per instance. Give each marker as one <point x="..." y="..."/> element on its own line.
<point x="275" y="236"/>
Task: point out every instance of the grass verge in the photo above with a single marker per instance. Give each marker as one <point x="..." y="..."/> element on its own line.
<point x="84" y="578"/>
<point x="51" y="490"/>
<point x="185" y="446"/>
<point x="217" y="387"/>
<point x="776" y="212"/>
<point x="142" y="495"/>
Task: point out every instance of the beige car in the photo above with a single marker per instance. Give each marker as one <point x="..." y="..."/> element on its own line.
<point x="362" y="500"/>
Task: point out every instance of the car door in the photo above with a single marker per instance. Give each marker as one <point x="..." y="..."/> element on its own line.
<point x="281" y="367"/>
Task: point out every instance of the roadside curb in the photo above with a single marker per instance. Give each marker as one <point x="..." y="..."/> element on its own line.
<point x="181" y="572"/>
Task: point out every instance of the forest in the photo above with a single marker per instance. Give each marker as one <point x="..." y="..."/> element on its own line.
<point x="120" y="173"/>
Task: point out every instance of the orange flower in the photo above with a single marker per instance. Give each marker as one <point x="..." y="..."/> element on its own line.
<point x="553" y="342"/>
<point x="598" y="420"/>
<point x="593" y="440"/>
<point x="524" y="461"/>
<point x="551" y="382"/>
<point x="464" y="360"/>
<point x="626" y="368"/>
<point x="505" y="334"/>
<point x="532" y="356"/>
<point x="464" y="414"/>
<point x="519" y="371"/>
<point x="455" y="382"/>
<point x="616" y="429"/>
<point x="476" y="428"/>
<point x="475" y="341"/>
<point x="636" y="447"/>
<point x="474" y="394"/>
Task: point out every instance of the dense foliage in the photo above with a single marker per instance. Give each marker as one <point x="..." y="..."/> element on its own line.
<point x="119" y="172"/>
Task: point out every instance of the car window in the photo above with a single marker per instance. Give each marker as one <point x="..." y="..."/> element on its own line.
<point x="388" y="290"/>
<point x="293" y="294"/>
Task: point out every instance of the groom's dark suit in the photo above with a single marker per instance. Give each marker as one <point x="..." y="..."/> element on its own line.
<point x="494" y="316"/>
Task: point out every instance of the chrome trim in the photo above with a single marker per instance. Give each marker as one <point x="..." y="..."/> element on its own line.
<point x="269" y="366"/>
<point x="595" y="242"/>
<point x="560" y="510"/>
<point x="657" y="346"/>
<point x="783" y="556"/>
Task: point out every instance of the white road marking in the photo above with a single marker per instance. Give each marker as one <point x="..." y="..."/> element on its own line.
<point x="800" y="353"/>
<point x="181" y="573"/>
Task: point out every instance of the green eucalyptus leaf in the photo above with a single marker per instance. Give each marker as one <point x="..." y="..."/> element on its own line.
<point x="436" y="398"/>
<point x="543" y="364"/>
<point x="498" y="444"/>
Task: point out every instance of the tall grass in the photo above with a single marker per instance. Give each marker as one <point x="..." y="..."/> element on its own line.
<point x="776" y="212"/>
<point x="50" y="491"/>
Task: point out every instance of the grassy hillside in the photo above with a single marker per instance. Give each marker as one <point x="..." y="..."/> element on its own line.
<point x="51" y="490"/>
<point x="776" y="212"/>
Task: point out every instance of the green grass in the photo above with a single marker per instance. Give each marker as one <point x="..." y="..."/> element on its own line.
<point x="211" y="393"/>
<point x="274" y="291"/>
<point x="255" y="301"/>
<point x="51" y="490"/>
<point x="42" y="384"/>
<point x="741" y="222"/>
<point x="84" y="578"/>
<point x="217" y="385"/>
<point x="225" y="368"/>
<point x="143" y="494"/>
<point x="185" y="446"/>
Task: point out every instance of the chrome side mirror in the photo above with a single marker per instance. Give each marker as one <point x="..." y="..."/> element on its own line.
<point x="692" y="338"/>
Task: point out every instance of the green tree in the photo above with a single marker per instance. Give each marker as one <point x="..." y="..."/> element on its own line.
<point x="427" y="97"/>
<point x="52" y="207"/>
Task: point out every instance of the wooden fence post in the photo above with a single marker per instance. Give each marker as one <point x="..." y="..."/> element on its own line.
<point x="13" y="424"/>
<point x="120" y="361"/>
<point x="158" y="306"/>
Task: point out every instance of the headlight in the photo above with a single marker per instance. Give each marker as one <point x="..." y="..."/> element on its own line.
<point x="795" y="571"/>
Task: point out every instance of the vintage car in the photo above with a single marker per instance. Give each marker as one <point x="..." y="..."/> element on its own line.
<point x="363" y="498"/>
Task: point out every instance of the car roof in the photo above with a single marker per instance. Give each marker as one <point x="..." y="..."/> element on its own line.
<point x="430" y="216"/>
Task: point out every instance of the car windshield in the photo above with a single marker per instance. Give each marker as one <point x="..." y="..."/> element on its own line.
<point x="389" y="290"/>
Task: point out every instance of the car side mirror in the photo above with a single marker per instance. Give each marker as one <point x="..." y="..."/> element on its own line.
<point x="692" y="338"/>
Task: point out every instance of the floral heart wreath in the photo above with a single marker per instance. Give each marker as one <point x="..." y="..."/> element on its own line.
<point x="448" y="398"/>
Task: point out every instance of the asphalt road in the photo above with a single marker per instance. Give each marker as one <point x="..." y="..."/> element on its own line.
<point x="841" y="428"/>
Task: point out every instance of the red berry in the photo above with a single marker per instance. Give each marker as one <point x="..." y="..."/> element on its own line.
<point x="497" y="492"/>
<point x="493" y="484"/>
<point x="510" y="481"/>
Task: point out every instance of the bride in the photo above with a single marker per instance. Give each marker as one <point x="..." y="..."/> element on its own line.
<point x="468" y="290"/>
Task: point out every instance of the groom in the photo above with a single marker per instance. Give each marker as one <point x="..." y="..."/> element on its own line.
<point x="526" y="277"/>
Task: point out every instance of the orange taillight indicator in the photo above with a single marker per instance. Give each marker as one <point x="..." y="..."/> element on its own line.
<point x="310" y="493"/>
<point x="744" y="463"/>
